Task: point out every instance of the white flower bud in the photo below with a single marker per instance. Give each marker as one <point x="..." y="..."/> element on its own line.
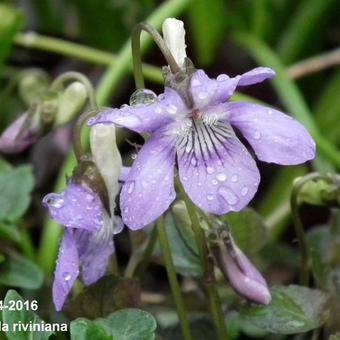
<point x="174" y="37"/>
<point x="107" y="158"/>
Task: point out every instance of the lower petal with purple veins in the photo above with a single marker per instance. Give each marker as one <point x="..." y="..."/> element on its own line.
<point x="67" y="269"/>
<point x="216" y="170"/>
<point x="149" y="187"/>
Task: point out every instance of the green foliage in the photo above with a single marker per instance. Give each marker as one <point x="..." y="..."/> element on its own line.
<point x="248" y="230"/>
<point x="207" y="24"/>
<point x="20" y="272"/>
<point x="294" y="309"/>
<point x="182" y="244"/>
<point x="10" y="23"/>
<point x="107" y="295"/>
<point x="16" y="185"/>
<point x="11" y="317"/>
<point x="125" y="324"/>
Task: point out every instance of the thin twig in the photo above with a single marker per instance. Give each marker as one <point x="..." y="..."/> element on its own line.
<point x="314" y="64"/>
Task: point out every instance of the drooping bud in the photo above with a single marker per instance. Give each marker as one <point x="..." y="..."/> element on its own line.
<point x="243" y="276"/>
<point x="174" y="37"/>
<point x="106" y="156"/>
<point x="71" y="102"/>
<point x="17" y="137"/>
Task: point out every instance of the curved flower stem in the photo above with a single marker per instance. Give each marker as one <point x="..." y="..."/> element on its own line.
<point x="208" y="280"/>
<point x="71" y="76"/>
<point x="111" y="79"/>
<point x="172" y="276"/>
<point x="136" y="52"/>
<point x="74" y="50"/>
<point x="299" y="230"/>
<point x="78" y="148"/>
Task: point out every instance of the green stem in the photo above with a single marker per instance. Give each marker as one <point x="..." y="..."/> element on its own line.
<point x="80" y="52"/>
<point x="172" y="276"/>
<point x="299" y="230"/>
<point x="214" y="299"/>
<point x="111" y="79"/>
<point x="289" y="94"/>
<point x="136" y="52"/>
<point x="141" y="256"/>
<point x="72" y="76"/>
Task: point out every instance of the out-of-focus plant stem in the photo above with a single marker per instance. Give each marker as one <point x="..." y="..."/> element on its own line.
<point x="74" y="50"/>
<point x="214" y="299"/>
<point x="111" y="78"/>
<point x="289" y="93"/>
<point x="172" y="276"/>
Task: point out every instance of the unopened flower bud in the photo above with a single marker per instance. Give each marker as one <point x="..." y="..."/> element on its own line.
<point x="71" y="102"/>
<point x="32" y="84"/>
<point x="243" y="276"/>
<point x="18" y="136"/>
<point x="107" y="158"/>
<point x="174" y="37"/>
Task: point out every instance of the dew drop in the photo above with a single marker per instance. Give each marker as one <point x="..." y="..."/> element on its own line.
<point x="202" y="95"/>
<point x="130" y="187"/>
<point x="185" y="178"/>
<point x="172" y="109"/>
<point x="193" y="161"/>
<point x="188" y="149"/>
<point x="222" y="77"/>
<point x="244" y="191"/>
<point x="67" y="276"/>
<point x="257" y="135"/>
<point x="210" y="197"/>
<point x="234" y="178"/>
<point x="195" y="82"/>
<point x="214" y="182"/>
<point x="56" y="202"/>
<point x="228" y="195"/>
<point x="221" y="177"/>
<point x="210" y="170"/>
<point x="142" y="97"/>
<point x="270" y="112"/>
<point x="134" y="156"/>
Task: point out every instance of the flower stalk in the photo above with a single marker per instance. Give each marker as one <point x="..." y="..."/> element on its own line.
<point x="209" y="284"/>
<point x="175" y="288"/>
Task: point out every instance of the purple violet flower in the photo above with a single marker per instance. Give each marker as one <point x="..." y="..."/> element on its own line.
<point x="87" y="243"/>
<point x="18" y="136"/>
<point x="215" y="168"/>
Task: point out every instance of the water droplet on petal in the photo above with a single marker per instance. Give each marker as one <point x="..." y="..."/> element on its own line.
<point x="221" y="177"/>
<point x="142" y="97"/>
<point x="210" y="170"/>
<point x="222" y="77"/>
<point x="234" y="178"/>
<point x="134" y="156"/>
<point x="188" y="149"/>
<point x="56" y="202"/>
<point x="130" y="187"/>
<point x="244" y="191"/>
<point x="257" y="135"/>
<point x="228" y="195"/>
<point x="172" y="109"/>
<point x="270" y="112"/>
<point x="202" y="95"/>
<point x="193" y="161"/>
<point x="210" y="197"/>
<point x="66" y="276"/>
<point x="214" y="182"/>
